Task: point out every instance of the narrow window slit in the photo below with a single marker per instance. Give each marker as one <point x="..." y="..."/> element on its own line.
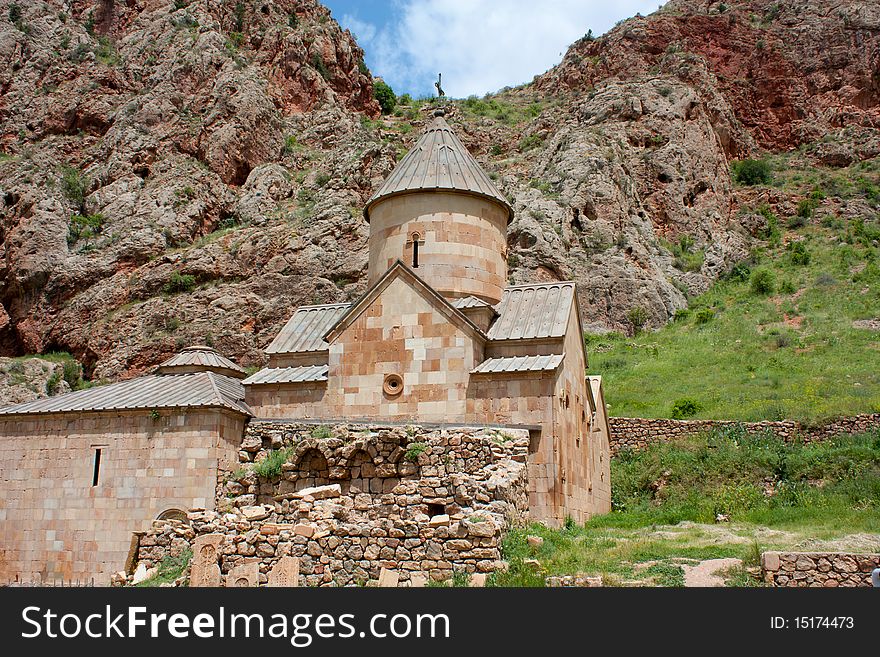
<point x="97" y="470"/>
<point x="415" y="260"/>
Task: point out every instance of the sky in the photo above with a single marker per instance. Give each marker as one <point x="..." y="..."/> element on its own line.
<point x="479" y="46"/>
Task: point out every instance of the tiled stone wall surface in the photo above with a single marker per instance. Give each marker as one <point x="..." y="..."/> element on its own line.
<point x="462" y="250"/>
<point x="446" y="511"/>
<point x="403" y="333"/>
<point x="56" y="524"/>
<point x="815" y="569"/>
<point x="638" y="433"/>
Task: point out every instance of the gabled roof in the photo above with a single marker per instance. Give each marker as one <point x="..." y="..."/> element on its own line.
<point x="507" y="364"/>
<point x="301" y="374"/>
<point x="438" y="162"/>
<point x="305" y="330"/>
<point x="464" y="303"/>
<point x="400" y="270"/>
<point x="200" y="358"/>
<point x="199" y="389"/>
<point x="533" y="311"/>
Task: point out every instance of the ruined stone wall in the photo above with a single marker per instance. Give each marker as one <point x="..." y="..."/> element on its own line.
<point x="58" y="522"/>
<point x="638" y="433"/>
<point x="350" y="500"/>
<point x="827" y="569"/>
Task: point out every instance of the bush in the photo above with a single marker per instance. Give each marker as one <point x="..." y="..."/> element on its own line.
<point x="763" y="282"/>
<point x="270" y="467"/>
<point x="637" y="317"/>
<point x="180" y="283"/>
<point x="751" y="172"/>
<point x="84" y="226"/>
<point x="798" y="253"/>
<point x="684" y="408"/>
<point x="704" y="316"/>
<point x="740" y="272"/>
<point x="384" y="95"/>
<point x="321" y="431"/>
<point x="75" y="185"/>
<point x="414" y="450"/>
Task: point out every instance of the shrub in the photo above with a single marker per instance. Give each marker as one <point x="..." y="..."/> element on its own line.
<point x="806" y="207"/>
<point x="788" y="287"/>
<point x="681" y="315"/>
<point x="637" y="317"/>
<point x="704" y="316"/>
<point x="414" y="450"/>
<point x="740" y="272"/>
<point x="319" y="65"/>
<point x="74" y="184"/>
<point x="84" y="226"/>
<point x="798" y="253"/>
<point x="384" y="95"/>
<point x="270" y="467"/>
<point x="763" y="282"/>
<point x="529" y="142"/>
<point x="751" y="172"/>
<point x="170" y="568"/>
<point x="180" y="283"/>
<point x="321" y="432"/>
<point x="684" y="407"/>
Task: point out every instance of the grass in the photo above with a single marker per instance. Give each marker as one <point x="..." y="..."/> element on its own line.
<point x="774" y="340"/>
<point x="666" y="500"/>
<point x="170" y="568"/>
<point x="270" y="467"/>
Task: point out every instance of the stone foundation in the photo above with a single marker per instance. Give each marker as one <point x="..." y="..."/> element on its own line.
<point x="639" y="433"/>
<point x="814" y="569"/>
<point x="352" y="500"/>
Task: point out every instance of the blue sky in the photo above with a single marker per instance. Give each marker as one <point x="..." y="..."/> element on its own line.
<point x="480" y="46"/>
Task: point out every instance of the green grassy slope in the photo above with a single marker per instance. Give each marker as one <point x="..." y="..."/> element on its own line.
<point x="792" y="352"/>
<point x="667" y="501"/>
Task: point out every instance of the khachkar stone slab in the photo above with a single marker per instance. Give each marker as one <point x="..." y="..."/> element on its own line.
<point x="285" y="572"/>
<point x="247" y="575"/>
<point x="205" y="569"/>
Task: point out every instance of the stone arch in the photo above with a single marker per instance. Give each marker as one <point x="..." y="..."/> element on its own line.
<point x="311" y="469"/>
<point x="361" y="472"/>
<point x="173" y="514"/>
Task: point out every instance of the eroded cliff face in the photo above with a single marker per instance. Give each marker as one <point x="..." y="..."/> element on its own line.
<point x="179" y="172"/>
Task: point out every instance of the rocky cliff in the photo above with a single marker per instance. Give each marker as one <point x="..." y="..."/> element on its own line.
<point x="179" y="171"/>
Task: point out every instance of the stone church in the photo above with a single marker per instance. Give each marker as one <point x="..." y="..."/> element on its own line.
<point x="438" y="339"/>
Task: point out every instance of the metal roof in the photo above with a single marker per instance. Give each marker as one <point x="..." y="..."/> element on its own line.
<point x="200" y="357"/>
<point x="305" y="330"/>
<point x="154" y="391"/>
<point x="533" y="311"/>
<point x="548" y="363"/>
<point x="469" y="302"/>
<point x="438" y="161"/>
<point x="302" y="374"/>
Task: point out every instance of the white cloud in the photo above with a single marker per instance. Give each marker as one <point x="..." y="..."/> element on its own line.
<point x="481" y="45"/>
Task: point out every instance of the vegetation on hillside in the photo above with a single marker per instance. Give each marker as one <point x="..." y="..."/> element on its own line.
<point x="667" y="499"/>
<point x="786" y="334"/>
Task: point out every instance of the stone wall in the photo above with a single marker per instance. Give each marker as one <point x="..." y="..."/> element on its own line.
<point x="638" y="433"/>
<point x="351" y="500"/>
<point x="64" y="516"/>
<point x="828" y="569"/>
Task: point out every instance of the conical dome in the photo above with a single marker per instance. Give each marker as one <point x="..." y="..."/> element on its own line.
<point x="438" y="161"/>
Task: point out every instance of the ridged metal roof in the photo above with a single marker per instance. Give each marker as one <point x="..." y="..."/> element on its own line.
<point x="548" y="363"/>
<point x="302" y="374"/>
<point x="155" y="391"/>
<point x="469" y="302"/>
<point x="533" y="311"/>
<point x="438" y="161"/>
<point x="305" y="330"/>
<point x="203" y="358"/>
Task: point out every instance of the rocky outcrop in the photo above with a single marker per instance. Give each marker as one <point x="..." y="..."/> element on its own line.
<point x="190" y="172"/>
<point x="25" y="379"/>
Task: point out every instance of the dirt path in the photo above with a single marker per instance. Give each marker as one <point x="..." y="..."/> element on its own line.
<point x="703" y="574"/>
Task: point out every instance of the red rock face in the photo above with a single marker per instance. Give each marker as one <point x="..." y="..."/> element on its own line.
<point x="791" y="70"/>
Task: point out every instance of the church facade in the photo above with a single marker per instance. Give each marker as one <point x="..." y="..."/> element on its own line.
<point x="439" y="338"/>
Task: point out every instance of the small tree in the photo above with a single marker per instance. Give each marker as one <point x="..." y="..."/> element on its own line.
<point x="763" y="282"/>
<point x="385" y="96"/>
<point x="752" y="172"/>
